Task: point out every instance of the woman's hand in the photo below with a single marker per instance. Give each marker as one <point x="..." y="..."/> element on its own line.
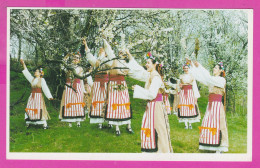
<point x="188" y="60"/>
<point x="51" y="99"/>
<point x="85" y="43"/>
<point x="23" y="64"/>
<point x="128" y="54"/>
<point x="133" y="87"/>
<point x="196" y="63"/>
<point x="180" y="85"/>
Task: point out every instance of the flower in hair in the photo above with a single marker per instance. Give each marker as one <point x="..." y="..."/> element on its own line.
<point x="186" y="64"/>
<point x="149" y="56"/>
<point x="161" y="65"/>
<point x="41" y="71"/>
<point x="221" y="65"/>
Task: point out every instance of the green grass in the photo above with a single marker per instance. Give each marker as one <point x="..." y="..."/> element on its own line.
<point x="88" y="138"/>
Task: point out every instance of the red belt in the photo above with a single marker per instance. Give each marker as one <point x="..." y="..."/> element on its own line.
<point x="75" y="81"/>
<point x="36" y="90"/>
<point x="159" y="97"/>
<point x="214" y="98"/>
<point x="185" y="88"/>
<point x="102" y="78"/>
<point x="118" y="78"/>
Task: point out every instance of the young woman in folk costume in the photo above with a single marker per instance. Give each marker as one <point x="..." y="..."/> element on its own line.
<point x="155" y="130"/>
<point x="118" y="111"/>
<point x="99" y="88"/>
<point x="36" y="112"/>
<point x="188" y="110"/>
<point x="213" y="130"/>
<point x="72" y="103"/>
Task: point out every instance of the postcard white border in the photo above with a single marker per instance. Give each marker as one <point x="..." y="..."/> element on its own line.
<point x="139" y="156"/>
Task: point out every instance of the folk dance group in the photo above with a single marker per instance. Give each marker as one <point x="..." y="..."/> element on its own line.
<point x="107" y="99"/>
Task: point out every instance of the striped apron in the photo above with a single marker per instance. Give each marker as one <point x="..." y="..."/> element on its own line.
<point x="149" y="136"/>
<point x="33" y="108"/>
<point x="210" y="134"/>
<point x="99" y="96"/>
<point x="186" y="106"/>
<point x="118" y="105"/>
<point x="167" y="103"/>
<point x="74" y="103"/>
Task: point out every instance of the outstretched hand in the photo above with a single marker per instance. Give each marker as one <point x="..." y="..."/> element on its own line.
<point x="85" y="43"/>
<point x="196" y="63"/>
<point x="128" y="54"/>
<point x="21" y="61"/>
<point x="188" y="60"/>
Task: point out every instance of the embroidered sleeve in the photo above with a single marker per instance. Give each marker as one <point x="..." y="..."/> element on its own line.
<point x="148" y="94"/>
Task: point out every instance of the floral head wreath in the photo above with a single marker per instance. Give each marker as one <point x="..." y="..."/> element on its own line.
<point x="41" y="71"/>
<point x="149" y="56"/>
<point x="221" y="65"/>
<point x="186" y="64"/>
<point x="76" y="53"/>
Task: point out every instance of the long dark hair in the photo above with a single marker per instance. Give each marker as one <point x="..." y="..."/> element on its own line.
<point x="158" y="68"/>
<point x="223" y="73"/>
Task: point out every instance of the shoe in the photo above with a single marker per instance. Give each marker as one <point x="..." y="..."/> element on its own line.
<point x="45" y="127"/>
<point x="78" y="125"/>
<point x="186" y="127"/>
<point x="70" y="125"/>
<point x="110" y="126"/>
<point x="117" y="133"/>
<point x="100" y="126"/>
<point x="190" y="127"/>
<point x="130" y="130"/>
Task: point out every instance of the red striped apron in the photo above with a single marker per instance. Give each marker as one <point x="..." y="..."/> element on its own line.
<point x="33" y="108"/>
<point x="167" y="103"/>
<point x="99" y="95"/>
<point x="186" y="106"/>
<point x="148" y="134"/>
<point x="118" y="105"/>
<point x="74" y="103"/>
<point x="210" y="134"/>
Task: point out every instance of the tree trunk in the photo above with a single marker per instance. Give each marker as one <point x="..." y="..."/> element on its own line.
<point x="19" y="47"/>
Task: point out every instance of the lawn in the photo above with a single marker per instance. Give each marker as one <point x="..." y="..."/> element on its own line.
<point x="88" y="138"/>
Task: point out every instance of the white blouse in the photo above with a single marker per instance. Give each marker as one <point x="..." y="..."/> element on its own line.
<point x="186" y="78"/>
<point x="139" y="73"/>
<point x="92" y="60"/>
<point x="34" y="82"/>
<point x="203" y="76"/>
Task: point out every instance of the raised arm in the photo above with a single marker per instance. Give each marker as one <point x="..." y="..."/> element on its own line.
<point x="26" y="73"/>
<point x="211" y="80"/>
<point x="136" y="71"/>
<point x="92" y="60"/>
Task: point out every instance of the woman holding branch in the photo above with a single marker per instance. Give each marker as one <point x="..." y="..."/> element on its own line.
<point x="213" y="130"/>
<point x="155" y="130"/>
<point x="72" y="103"/>
<point x="188" y="111"/>
<point x="36" y="112"/>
